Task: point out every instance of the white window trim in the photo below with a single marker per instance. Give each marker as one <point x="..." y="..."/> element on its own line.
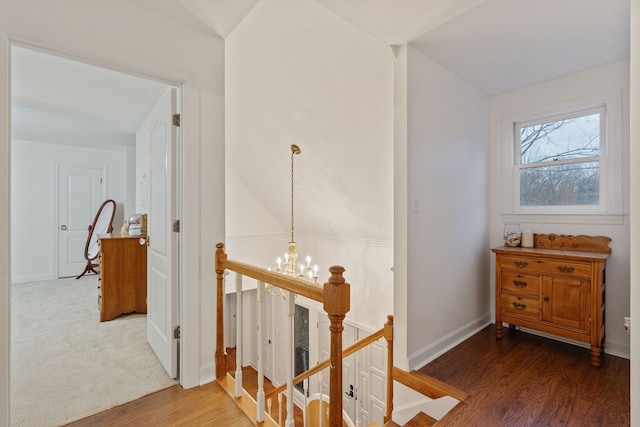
<point x="611" y="209"/>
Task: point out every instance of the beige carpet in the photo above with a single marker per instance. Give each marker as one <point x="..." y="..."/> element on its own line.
<point x="65" y="363"/>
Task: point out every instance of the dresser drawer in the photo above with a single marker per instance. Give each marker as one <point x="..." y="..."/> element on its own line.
<point x="520" y="283"/>
<point x="545" y="265"/>
<point x="521" y="305"/>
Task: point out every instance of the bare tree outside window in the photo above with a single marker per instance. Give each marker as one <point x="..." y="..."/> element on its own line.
<point x="559" y="161"/>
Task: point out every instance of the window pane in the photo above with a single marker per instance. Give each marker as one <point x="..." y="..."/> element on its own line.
<point x="561" y="185"/>
<point x="301" y="342"/>
<point x="572" y="138"/>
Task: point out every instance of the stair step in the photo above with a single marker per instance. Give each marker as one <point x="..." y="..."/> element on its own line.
<point x="421" y="420"/>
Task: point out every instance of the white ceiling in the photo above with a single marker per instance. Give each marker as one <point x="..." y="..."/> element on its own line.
<point x="68" y="102"/>
<point x="497" y="45"/>
<point x="502" y="45"/>
<point x="494" y="44"/>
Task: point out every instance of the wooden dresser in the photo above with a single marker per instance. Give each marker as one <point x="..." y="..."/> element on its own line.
<point x="123" y="275"/>
<point x="556" y="287"/>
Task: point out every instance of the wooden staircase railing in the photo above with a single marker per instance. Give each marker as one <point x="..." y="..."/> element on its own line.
<point x="334" y="295"/>
<point x="322" y="365"/>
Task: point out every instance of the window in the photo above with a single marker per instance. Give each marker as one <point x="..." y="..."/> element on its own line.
<point x="557" y="159"/>
<point x="562" y="163"/>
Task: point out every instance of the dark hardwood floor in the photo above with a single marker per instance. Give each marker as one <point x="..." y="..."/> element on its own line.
<point x="527" y="380"/>
<point x="522" y="380"/>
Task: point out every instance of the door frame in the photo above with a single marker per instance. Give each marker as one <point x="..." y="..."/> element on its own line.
<point x="192" y="371"/>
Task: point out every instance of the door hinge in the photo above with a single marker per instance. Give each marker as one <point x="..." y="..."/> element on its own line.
<point x="176" y="332"/>
<point x="176" y="120"/>
<point x="176" y="226"/>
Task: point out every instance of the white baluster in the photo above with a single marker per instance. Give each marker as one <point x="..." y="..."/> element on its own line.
<point x="358" y="417"/>
<point x="238" y="335"/>
<point x="260" y="393"/>
<point x="289" y="421"/>
<point x="321" y="402"/>
<point x="306" y="400"/>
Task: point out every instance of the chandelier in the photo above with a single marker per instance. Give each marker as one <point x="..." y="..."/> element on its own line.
<point x="288" y="264"/>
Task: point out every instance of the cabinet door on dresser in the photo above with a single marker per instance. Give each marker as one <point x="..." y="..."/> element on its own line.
<point x="566" y="301"/>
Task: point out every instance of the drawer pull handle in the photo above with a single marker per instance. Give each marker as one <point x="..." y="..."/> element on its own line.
<point x="520" y="264"/>
<point x="520" y="283"/>
<point x="566" y="269"/>
<point x="519" y="306"/>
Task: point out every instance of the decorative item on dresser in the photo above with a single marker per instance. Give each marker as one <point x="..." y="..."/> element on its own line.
<point x="556" y="287"/>
<point x="123" y="275"/>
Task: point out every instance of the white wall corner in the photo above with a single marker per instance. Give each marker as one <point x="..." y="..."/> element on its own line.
<point x="420" y="358"/>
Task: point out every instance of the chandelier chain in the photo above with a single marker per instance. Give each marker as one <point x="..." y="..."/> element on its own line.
<point x="290" y="266"/>
<point x="292" y="154"/>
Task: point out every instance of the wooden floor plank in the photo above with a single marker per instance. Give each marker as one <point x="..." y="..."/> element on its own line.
<point x="521" y="380"/>
<point x="208" y="405"/>
<point x="528" y="380"/>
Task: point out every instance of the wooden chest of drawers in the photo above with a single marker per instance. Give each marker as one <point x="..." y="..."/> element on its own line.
<point x="557" y="287"/>
<point x="123" y="275"/>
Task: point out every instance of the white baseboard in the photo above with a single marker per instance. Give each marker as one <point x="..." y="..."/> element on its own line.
<point x="27" y="279"/>
<point x="207" y="373"/>
<point x="425" y="355"/>
<point x="609" y="348"/>
<point x="619" y="350"/>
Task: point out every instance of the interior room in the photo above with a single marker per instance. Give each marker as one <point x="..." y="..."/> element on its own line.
<point x="402" y="113"/>
<point x="74" y="119"/>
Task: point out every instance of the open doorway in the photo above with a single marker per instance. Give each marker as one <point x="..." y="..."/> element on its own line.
<point x="66" y="113"/>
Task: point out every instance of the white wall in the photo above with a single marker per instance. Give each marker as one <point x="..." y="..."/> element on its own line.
<point x="635" y="209"/>
<point x="400" y="204"/>
<point x="125" y="36"/>
<point x="297" y="73"/>
<point x="585" y="84"/>
<point x="448" y="258"/>
<point x="33" y="204"/>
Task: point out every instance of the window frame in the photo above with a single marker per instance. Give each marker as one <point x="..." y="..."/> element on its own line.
<point x="610" y="207"/>
<point x="518" y="165"/>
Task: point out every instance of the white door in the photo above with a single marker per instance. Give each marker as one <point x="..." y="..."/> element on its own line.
<point x="162" y="283"/>
<point x="374" y="394"/>
<point x="80" y="194"/>
<point x="349" y="385"/>
<point x="267" y="336"/>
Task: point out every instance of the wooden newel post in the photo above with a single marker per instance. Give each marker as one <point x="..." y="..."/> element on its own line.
<point x="388" y="335"/>
<point x="336" y="304"/>
<point x="221" y="362"/>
